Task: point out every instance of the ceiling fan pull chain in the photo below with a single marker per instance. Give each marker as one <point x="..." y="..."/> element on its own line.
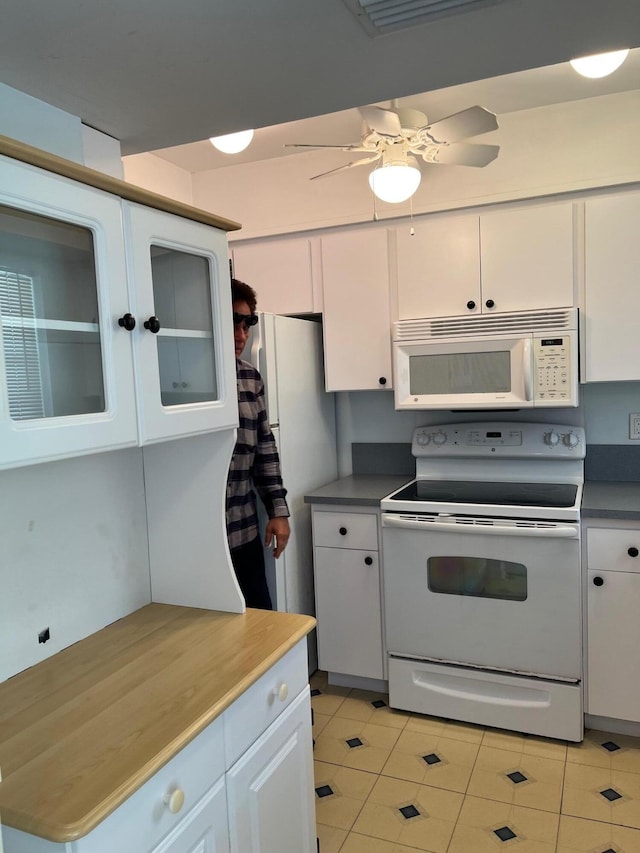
<point x="412" y="230"/>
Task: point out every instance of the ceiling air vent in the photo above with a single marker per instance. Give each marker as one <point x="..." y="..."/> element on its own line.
<point x="384" y="16"/>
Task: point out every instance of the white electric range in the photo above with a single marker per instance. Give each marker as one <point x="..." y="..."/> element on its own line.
<point x="482" y="579"/>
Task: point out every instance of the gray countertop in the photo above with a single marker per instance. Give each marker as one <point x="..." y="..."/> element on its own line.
<point x="600" y="499"/>
<point x="358" y="489"/>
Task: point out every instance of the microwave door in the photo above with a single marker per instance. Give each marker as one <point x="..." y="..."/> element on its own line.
<point x="494" y="373"/>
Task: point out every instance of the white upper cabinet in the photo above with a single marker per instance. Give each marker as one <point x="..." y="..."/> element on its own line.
<point x="282" y="272"/>
<point x="438" y="267"/>
<point x="181" y="298"/>
<point x="356" y="320"/>
<point x="76" y="290"/>
<point x="66" y="377"/>
<point x="612" y="289"/>
<point x="516" y="259"/>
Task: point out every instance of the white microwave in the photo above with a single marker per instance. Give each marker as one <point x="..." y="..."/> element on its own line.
<point x="495" y="361"/>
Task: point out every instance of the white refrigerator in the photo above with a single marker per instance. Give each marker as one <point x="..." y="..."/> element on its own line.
<point x="288" y="353"/>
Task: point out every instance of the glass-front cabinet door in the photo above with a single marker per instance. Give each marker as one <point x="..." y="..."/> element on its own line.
<point x="66" y="383"/>
<point x="183" y="349"/>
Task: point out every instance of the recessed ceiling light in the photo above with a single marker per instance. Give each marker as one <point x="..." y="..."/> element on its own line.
<point x="232" y="143"/>
<point x="600" y="64"/>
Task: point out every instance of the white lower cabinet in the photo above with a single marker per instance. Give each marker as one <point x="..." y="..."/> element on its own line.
<point x="348" y="599"/>
<point x="244" y="784"/>
<point x="613" y="627"/>
<point x="270" y="789"/>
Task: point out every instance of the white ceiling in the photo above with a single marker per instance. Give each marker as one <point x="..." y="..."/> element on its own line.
<point x="506" y="94"/>
<point x="161" y="73"/>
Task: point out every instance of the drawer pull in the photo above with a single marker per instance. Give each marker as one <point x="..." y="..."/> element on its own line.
<point x="598" y="581"/>
<point x="368" y="561"/>
<point x="174" y="801"/>
<point x="633" y="551"/>
<point x="281" y="692"/>
<point x="343" y="531"/>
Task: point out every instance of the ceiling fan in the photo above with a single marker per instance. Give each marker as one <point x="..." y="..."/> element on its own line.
<point x="396" y="136"/>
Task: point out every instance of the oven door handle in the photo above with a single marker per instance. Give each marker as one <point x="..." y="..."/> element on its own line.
<point x="565" y="531"/>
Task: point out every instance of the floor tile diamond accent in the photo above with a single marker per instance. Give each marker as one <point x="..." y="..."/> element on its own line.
<point x="409" y="812"/>
<point x="432" y="758"/>
<point x="324" y="791"/>
<point x="611" y="795"/>
<point x="352" y="742"/>
<point x="610" y="746"/>
<point x="517" y="777"/>
<point x="379" y="703"/>
<point x="504" y="833"/>
<point x="609" y="850"/>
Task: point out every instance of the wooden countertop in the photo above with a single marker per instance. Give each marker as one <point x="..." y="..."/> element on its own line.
<point x="83" y="730"/>
<point x="77" y="172"/>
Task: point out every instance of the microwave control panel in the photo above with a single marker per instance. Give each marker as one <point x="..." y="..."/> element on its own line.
<point x="553" y="368"/>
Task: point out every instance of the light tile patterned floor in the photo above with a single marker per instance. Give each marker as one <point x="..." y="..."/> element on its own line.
<point x="393" y="782"/>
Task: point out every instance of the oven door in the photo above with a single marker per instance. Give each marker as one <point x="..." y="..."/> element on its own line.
<point x="497" y="593"/>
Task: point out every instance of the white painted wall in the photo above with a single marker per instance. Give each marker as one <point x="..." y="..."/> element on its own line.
<point x="544" y="151"/>
<point x="74" y="553"/>
<point x="158" y="175"/>
<point x="32" y="121"/>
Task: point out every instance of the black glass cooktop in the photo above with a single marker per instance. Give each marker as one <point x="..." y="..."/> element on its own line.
<point x="503" y="494"/>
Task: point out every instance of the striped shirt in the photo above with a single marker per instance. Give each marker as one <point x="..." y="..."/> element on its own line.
<point x="254" y="464"/>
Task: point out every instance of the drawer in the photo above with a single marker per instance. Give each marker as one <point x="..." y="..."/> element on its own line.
<point x="258" y="707"/>
<point x="346" y="530"/>
<point x="615" y="550"/>
<point x="144" y="818"/>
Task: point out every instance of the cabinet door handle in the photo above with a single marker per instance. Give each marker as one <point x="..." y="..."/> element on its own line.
<point x="489" y="303"/>
<point x="127" y="321"/>
<point x="174" y="801"/>
<point x="343" y="531"/>
<point x="153" y="324"/>
<point x="382" y="380"/>
<point x="368" y="561"/>
<point x="633" y="551"/>
<point x="281" y="692"/>
<point x="598" y="581"/>
<point x="471" y="305"/>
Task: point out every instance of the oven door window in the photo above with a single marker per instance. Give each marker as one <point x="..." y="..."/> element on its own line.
<point x="481" y="577"/>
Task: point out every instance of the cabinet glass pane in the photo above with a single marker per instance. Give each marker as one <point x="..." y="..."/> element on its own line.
<point x="182" y="299"/>
<point x="51" y="348"/>
<point x="477" y="576"/>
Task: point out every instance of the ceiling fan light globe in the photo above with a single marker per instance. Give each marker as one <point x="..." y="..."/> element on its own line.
<point x="394" y="183"/>
<point x="599" y="65"/>
<point x="232" y="143"/>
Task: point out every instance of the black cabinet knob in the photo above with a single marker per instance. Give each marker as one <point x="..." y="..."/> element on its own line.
<point x="128" y="322"/>
<point x="471" y="305"/>
<point x="382" y="380"/>
<point x="368" y="560"/>
<point x="153" y="324"/>
<point x="598" y="581"/>
<point x="633" y="551"/>
<point x="489" y="303"/>
<point x="343" y="531"/>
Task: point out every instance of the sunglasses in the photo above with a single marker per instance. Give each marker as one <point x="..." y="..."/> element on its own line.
<point x="247" y="319"/>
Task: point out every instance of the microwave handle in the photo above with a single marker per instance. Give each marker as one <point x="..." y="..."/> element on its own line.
<point x="528" y="369"/>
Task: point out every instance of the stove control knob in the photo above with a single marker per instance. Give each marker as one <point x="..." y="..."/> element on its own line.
<point x="439" y="438"/>
<point x="551" y="438"/>
<point x="423" y="438"/>
<point x="571" y="439"/>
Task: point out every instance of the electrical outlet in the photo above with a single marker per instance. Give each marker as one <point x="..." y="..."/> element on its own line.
<point x="634" y="425"/>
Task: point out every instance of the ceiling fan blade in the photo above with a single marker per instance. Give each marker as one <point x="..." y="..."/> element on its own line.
<point x="471" y="122"/>
<point x="465" y="154"/>
<point x="353" y="147"/>
<point x="384" y="122"/>
<point x="362" y="162"/>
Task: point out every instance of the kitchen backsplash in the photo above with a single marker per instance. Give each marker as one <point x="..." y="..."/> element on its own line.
<point x="607" y="462"/>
